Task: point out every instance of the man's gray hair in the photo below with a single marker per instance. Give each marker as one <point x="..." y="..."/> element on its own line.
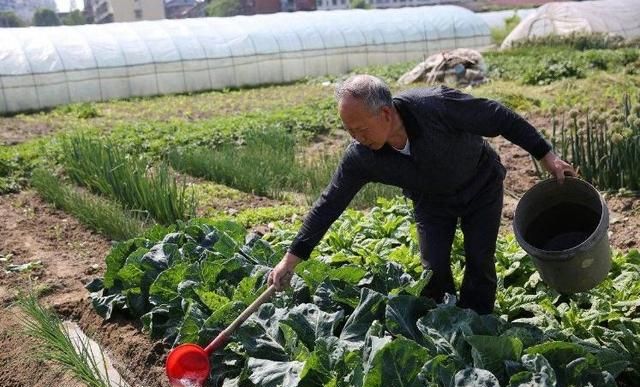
<point x="369" y="89"/>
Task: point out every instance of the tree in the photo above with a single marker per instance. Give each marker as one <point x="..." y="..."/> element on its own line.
<point x="45" y="17"/>
<point x="74" y="18"/>
<point x="9" y="19"/>
<point x="224" y="8"/>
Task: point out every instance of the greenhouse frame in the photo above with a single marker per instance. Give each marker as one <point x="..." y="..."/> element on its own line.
<point x="42" y="67"/>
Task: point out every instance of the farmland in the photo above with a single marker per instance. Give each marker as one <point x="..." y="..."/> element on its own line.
<point x="205" y="170"/>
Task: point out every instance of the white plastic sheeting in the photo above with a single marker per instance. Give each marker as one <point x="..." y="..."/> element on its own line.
<point x="616" y="17"/>
<point x="48" y="66"/>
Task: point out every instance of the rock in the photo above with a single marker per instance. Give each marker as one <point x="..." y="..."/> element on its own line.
<point x="92" y="269"/>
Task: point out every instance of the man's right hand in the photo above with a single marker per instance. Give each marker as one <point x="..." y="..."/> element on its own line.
<point x="557" y="167"/>
<point x="282" y="273"/>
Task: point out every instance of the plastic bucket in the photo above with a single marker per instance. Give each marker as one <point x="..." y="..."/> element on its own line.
<point x="563" y="227"/>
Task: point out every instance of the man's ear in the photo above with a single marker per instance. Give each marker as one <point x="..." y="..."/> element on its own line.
<point x="386" y="111"/>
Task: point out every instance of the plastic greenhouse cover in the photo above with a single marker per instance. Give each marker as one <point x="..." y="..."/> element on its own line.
<point x="185" y="41"/>
<point x="13" y="60"/>
<point x="308" y="34"/>
<point x="106" y="49"/>
<point x="41" y="53"/>
<point x="133" y="49"/>
<point x="619" y="17"/>
<point x="146" y="42"/>
<point x="214" y="46"/>
<point x="218" y="52"/>
<point x="75" y="53"/>
<point x="159" y="42"/>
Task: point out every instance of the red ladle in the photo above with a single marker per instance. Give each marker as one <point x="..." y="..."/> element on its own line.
<point x="188" y="364"/>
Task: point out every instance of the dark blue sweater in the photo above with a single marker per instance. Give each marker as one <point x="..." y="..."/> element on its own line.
<point x="450" y="162"/>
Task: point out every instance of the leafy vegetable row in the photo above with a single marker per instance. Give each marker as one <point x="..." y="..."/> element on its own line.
<point x="353" y="315"/>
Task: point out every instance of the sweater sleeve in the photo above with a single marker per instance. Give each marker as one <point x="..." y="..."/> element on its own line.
<point x="347" y="180"/>
<point x="490" y="118"/>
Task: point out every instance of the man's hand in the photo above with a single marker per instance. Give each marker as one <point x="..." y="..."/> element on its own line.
<point x="282" y="273"/>
<point x="557" y="167"/>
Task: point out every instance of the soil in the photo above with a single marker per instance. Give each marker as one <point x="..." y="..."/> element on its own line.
<point x="14" y="130"/>
<point x="71" y="256"/>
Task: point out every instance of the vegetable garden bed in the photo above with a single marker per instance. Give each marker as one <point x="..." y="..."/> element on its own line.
<point x="353" y="316"/>
<point x="143" y="357"/>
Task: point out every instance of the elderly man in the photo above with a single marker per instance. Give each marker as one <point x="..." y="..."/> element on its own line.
<point x="430" y="143"/>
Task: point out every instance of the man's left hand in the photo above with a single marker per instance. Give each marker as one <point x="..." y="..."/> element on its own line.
<point x="557" y="167"/>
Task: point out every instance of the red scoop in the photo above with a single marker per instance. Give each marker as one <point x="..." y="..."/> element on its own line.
<point x="188" y="364"/>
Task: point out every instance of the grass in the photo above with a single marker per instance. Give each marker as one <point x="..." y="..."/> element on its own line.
<point x="152" y="137"/>
<point x="580" y="41"/>
<point x="542" y="65"/>
<point x="267" y="164"/>
<point x="83" y="111"/>
<point x="207" y="191"/>
<point x="99" y="214"/>
<point x="56" y="345"/>
<point x="317" y="173"/>
<point x="598" y="90"/>
<point x="368" y="196"/>
<point x="105" y="169"/>
<point x="186" y="107"/>
<point x="17" y="161"/>
<point x="263" y="164"/>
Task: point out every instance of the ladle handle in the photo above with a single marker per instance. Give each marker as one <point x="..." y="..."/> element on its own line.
<point x="225" y="334"/>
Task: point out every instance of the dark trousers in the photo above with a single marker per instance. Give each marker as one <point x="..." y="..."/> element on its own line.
<point x="479" y="221"/>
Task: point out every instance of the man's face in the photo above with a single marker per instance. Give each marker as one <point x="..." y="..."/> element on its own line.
<point x="368" y="128"/>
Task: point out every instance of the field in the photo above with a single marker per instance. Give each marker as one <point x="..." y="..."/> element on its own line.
<point x="258" y="158"/>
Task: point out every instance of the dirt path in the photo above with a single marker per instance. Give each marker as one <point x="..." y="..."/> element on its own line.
<point x="70" y="256"/>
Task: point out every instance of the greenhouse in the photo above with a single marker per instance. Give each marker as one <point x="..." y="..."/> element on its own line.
<point x="43" y="67"/>
<point x="615" y="17"/>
